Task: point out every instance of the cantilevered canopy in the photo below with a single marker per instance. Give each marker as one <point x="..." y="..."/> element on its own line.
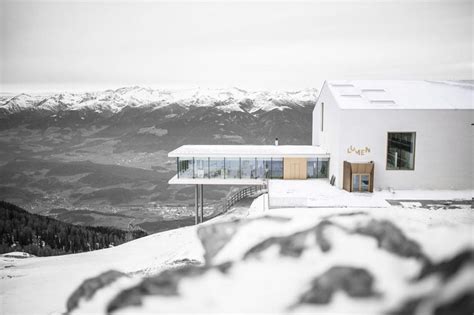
<point x="251" y="151"/>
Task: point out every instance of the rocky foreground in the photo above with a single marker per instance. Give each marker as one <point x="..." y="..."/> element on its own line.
<point x="382" y="261"/>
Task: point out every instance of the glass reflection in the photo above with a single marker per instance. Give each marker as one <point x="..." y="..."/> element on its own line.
<point x="232" y="168"/>
<point x="201" y="167"/>
<point x="323" y="168"/>
<point x="248" y="169"/>
<point x="263" y="168"/>
<point x="185" y="168"/>
<point x="216" y="168"/>
<point x="277" y="168"/>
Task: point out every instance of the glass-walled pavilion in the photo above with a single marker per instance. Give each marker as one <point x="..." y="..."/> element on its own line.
<point x="230" y="168"/>
<point x="246" y="163"/>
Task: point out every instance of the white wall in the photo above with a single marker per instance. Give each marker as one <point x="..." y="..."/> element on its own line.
<point x="329" y="137"/>
<point x="443" y="149"/>
<point x="444" y="146"/>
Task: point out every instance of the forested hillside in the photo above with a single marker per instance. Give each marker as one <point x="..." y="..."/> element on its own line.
<point x="43" y="236"/>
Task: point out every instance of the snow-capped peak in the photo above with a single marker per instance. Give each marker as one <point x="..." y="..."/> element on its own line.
<point x="227" y="100"/>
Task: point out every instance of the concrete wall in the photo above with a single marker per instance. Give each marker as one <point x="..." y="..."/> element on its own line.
<point x="329" y="137"/>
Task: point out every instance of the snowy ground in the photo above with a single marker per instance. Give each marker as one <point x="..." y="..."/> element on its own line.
<point x="271" y="259"/>
<point x="319" y="193"/>
<point x="42" y="285"/>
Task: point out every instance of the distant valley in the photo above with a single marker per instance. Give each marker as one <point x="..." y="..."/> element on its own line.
<point x="101" y="158"/>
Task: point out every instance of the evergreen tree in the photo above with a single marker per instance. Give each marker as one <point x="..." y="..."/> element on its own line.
<point x="44" y="236"/>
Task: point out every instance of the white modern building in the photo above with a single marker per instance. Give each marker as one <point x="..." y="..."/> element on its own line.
<point x="396" y="134"/>
<point x="367" y="135"/>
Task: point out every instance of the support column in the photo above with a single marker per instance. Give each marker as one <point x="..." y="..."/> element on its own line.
<point x="202" y="203"/>
<point x="196" y="203"/>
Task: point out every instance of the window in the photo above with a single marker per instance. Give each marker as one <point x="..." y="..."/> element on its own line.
<point x="361" y="182"/>
<point x="317" y="168"/>
<point x="277" y="168"/>
<point x="248" y="168"/>
<point x="201" y="168"/>
<point x="311" y="168"/>
<point x="323" y="168"/>
<point x="264" y="168"/>
<point x="322" y="116"/>
<point x="401" y="151"/>
<point x="185" y="168"/>
<point x="216" y="168"/>
<point x="232" y="168"/>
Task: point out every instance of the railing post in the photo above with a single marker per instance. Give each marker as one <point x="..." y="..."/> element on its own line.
<point x="196" y="203"/>
<point x="202" y="203"/>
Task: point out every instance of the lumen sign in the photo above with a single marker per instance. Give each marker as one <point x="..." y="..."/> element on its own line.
<point x="359" y="151"/>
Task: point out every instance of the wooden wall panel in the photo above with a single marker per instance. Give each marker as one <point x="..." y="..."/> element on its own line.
<point x="347" y="177"/>
<point x="294" y="168"/>
<point x="357" y="168"/>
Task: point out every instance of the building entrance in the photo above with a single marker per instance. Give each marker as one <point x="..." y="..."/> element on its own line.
<point x="358" y="177"/>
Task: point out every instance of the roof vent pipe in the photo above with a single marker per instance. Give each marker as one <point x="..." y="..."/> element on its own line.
<point x="276" y="141"/>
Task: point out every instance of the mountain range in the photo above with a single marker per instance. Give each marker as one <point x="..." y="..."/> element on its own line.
<point x="101" y="158"/>
<point x="228" y="100"/>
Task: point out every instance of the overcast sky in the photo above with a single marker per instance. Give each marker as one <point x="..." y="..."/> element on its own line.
<point x="78" y="45"/>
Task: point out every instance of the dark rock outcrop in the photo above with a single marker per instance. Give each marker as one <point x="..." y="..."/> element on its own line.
<point x="90" y="286"/>
<point x="355" y="282"/>
<point x="214" y="237"/>
<point x="392" y="239"/>
<point x="445" y="270"/>
<point x="448" y="267"/>
<point x="461" y="305"/>
<point x="164" y="284"/>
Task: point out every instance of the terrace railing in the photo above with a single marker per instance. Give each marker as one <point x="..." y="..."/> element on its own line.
<point x="251" y="191"/>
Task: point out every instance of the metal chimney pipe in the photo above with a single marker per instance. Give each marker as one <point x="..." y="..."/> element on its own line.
<point x="276" y="141"/>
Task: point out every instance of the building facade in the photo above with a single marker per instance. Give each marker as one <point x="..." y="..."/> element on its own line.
<point x="396" y="134"/>
<point x="247" y="164"/>
<point x="367" y="135"/>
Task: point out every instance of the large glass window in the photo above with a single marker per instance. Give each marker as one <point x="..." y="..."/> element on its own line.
<point x="232" y="168"/>
<point x="312" y="168"/>
<point x="201" y="167"/>
<point x="277" y="168"/>
<point x="264" y="168"/>
<point x="401" y="151"/>
<point x="216" y="168"/>
<point x="248" y="169"/>
<point x="323" y="168"/>
<point x="318" y="168"/>
<point x="185" y="168"/>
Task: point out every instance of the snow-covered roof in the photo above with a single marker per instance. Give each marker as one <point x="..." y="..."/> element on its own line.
<point x="248" y="151"/>
<point x="401" y="94"/>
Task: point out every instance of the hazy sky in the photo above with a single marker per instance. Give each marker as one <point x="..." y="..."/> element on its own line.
<point x="70" y="45"/>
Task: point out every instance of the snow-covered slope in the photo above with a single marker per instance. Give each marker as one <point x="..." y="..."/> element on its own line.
<point x="43" y="285"/>
<point x="228" y="100"/>
<point x="364" y="261"/>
